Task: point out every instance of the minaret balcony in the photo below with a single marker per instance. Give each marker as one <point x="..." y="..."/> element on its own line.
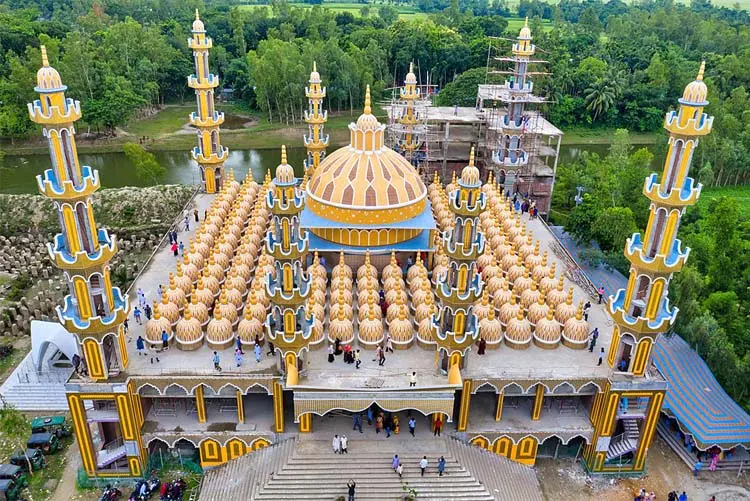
<point x="289" y="207"/>
<point x="691" y="127"/>
<point x="504" y="123"/>
<point x="214" y="120"/>
<point x="408" y="119"/>
<point x="663" y="320"/>
<point x="54" y="115"/>
<point x="452" y="341"/>
<point x="465" y="207"/>
<point x="298" y="246"/>
<point x="525" y="87"/>
<point x="460" y="252"/>
<point x="510" y="158"/>
<point x="451" y="295"/>
<point x="660" y="263"/>
<point x="295" y="341"/>
<point x="210" y="82"/>
<point x="293" y="296"/>
<point x="67" y="191"/>
<point x="213" y="158"/>
<point x="62" y="258"/>
<point x="409" y="94"/>
<point x="311" y="144"/>
<point x="95" y="326"/>
<point x="203" y="43"/>
<point x="311" y="93"/>
<point x="318" y="118"/>
<point x="518" y="50"/>
<point x="676" y="197"/>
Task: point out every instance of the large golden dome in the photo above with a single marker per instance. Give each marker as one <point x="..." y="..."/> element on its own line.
<point x="366" y="182"/>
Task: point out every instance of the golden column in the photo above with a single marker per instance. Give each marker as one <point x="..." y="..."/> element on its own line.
<point x="625" y="416"/>
<point x="94" y="310"/>
<point x="209" y="153"/>
<point x="455" y="326"/>
<point x="315" y="142"/>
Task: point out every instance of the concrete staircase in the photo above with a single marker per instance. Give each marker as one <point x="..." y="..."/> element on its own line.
<point x="28" y="390"/>
<point x="503" y="478"/>
<point x="243" y="477"/>
<point x="314" y="472"/>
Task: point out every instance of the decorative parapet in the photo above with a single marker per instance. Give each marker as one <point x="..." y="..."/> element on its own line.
<point x="681" y="125"/>
<point x="663" y="320"/>
<point x="676" y="197"/>
<point x="660" y="263"/>
<point x="67" y="191"/>
<point x="54" y="115"/>
<point x="82" y="260"/>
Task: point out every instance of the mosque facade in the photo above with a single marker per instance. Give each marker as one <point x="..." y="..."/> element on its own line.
<point x="357" y="254"/>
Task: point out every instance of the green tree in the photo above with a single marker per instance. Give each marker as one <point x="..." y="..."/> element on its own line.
<point x="146" y="166"/>
<point x="582" y="218"/>
<point x="599" y="97"/>
<point x="15" y="430"/>
<point x="612" y="226"/>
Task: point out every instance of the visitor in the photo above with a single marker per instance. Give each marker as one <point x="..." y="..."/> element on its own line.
<point x="601" y="292"/>
<point x="187" y="223"/>
<point x="395" y="462"/>
<point x="388" y="344"/>
<point x="336" y="444"/>
<point x="623" y="365"/>
<point x="594" y="337"/>
<point x="396" y="426"/>
<point x="413" y="379"/>
<point x="357" y="418"/>
<point x="423" y="464"/>
<point x="455" y="110"/>
<point x="357" y="359"/>
<point x="182" y="248"/>
<point x="140" y="345"/>
<point x="148" y="311"/>
<point x="351" y="485"/>
<point x="175" y="249"/>
<point x="441" y="465"/>
<point x="205" y="214"/>
<point x="409" y="262"/>
<point x="238" y="357"/>
<point x="239" y="344"/>
<point x="412" y="426"/>
<point x="586" y="308"/>
<point x="387" y="425"/>
<point x="400" y="469"/>
<point x="370" y="416"/>
<point x="344" y="444"/>
<point x="438" y="426"/>
<point x="714" y="462"/>
<point x="380" y="355"/>
<point x="378" y="423"/>
<point x="125" y="325"/>
<point x="517" y="206"/>
<point x="217" y="362"/>
<point x="159" y="292"/>
<point x="137" y="315"/>
<point x="195" y="215"/>
<point x="331" y="357"/>
<point x="337" y="347"/>
<point x="601" y="357"/>
<point x="258" y="352"/>
<point x="141" y="297"/>
<point x="482" y="346"/>
<point x="164" y="340"/>
<point x="683" y="497"/>
<point x="271" y="349"/>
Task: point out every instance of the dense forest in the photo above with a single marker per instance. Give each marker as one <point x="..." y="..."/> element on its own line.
<point x="612" y="65"/>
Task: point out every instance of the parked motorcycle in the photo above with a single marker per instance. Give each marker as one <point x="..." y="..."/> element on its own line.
<point x="111" y="493"/>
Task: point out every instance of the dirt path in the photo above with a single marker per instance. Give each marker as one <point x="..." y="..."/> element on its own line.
<point x="666" y="472"/>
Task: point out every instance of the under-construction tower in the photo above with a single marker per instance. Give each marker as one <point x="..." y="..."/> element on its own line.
<point x="519" y="146"/>
<point x="315" y="141"/>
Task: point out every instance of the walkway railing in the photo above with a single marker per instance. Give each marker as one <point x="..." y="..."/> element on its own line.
<point x="573" y="271"/>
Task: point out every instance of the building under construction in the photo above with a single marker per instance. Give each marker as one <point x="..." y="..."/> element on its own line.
<point x="513" y="139"/>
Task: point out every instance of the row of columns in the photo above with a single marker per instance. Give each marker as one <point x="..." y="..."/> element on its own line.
<point x="463" y="413"/>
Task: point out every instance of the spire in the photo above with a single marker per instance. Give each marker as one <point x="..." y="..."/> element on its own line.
<point x="471" y="157"/>
<point x="198" y="18"/>
<point x="45" y="61"/>
<point x="315" y="66"/>
<point x="700" y="71"/>
<point x="411" y="67"/>
<point x="368" y="109"/>
<point x="525" y="24"/>
<point x="283" y="154"/>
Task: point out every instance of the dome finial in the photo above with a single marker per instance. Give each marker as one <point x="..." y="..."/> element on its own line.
<point x="526" y="23"/>
<point x="471" y="157"/>
<point x="45" y="61"/>
<point x="700" y="71"/>
<point x="315" y="66"/>
<point x="197" y="17"/>
<point x="283" y="154"/>
<point x="368" y="109"/>
<point x="411" y="67"/>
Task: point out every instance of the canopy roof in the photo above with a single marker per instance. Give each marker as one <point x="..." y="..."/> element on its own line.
<point x="701" y="406"/>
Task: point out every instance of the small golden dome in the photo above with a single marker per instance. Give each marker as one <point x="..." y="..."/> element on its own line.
<point x="168" y="310"/>
<point x="371" y="328"/>
<point x="400" y="328"/>
<point x="557" y="295"/>
<point x="219" y="330"/>
<point x="425" y="332"/>
<point x="188" y="332"/>
<point x="525" y="33"/>
<point x="502" y="296"/>
<point x="175" y="294"/>
<point x="490" y="328"/>
<point x="341" y="328"/>
<point x="314" y="75"/>
<point x="547" y="331"/>
<point x="226" y="309"/>
<point x="695" y="92"/>
<point x="470" y="173"/>
<point x="518" y="332"/>
<point x="47" y="78"/>
<point x="482" y="307"/>
<point x="576" y="331"/>
<point x="157" y="325"/>
<point x="411" y="78"/>
<point x="198" y="24"/>
<point x="538" y="310"/>
<point x="509" y="310"/>
<point x="197" y="308"/>
<point x="530" y="295"/>
<point x="567" y="310"/>
<point x="249" y="327"/>
<point x="284" y="171"/>
<point x="367" y="120"/>
<point x="182" y="281"/>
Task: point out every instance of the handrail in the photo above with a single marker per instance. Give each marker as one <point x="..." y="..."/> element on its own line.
<point x="175" y="222"/>
<point x="588" y="284"/>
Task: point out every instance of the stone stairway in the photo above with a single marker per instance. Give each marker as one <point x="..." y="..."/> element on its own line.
<point x="27" y="390"/>
<point x="243" y="477"/>
<point x="314" y="472"/>
<point x="503" y="478"/>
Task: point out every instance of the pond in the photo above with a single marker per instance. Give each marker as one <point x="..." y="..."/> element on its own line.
<point x="18" y="174"/>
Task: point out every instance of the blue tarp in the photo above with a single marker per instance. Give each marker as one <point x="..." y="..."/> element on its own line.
<point x="701" y="406"/>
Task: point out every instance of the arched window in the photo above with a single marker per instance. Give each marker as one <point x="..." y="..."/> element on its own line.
<point x="674" y="165"/>
<point x="82" y="218"/>
<point x="214" y="141"/>
<point x="69" y="158"/>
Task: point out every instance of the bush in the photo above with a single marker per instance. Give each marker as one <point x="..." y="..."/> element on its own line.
<point x="18" y="287"/>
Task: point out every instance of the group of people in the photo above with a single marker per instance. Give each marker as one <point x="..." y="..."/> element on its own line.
<point x="340" y="444"/>
<point x="673" y="496"/>
<point x="389" y="422"/>
<point x="398" y="466"/>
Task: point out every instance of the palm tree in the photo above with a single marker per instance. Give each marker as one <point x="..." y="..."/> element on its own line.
<point x="599" y="97"/>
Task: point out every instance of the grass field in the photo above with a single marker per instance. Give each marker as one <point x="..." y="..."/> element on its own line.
<point x="740" y="193"/>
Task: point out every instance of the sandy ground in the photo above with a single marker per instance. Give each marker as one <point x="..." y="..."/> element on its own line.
<point x="666" y="472"/>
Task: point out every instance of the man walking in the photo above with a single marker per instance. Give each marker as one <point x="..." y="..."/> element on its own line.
<point x="187" y="223"/>
<point x="412" y="425"/>
<point x="438" y="426"/>
<point x="357" y="421"/>
<point x="238" y="357"/>
<point x="423" y="464"/>
<point x="336" y="444"/>
<point x="395" y="462"/>
<point x="239" y="345"/>
<point x="164" y="340"/>
<point x="601" y="293"/>
<point x="140" y="345"/>
<point x="594" y="337"/>
<point x="137" y="315"/>
<point x="586" y="308"/>
<point x="441" y="465"/>
<point x="258" y="352"/>
<point x="381" y="356"/>
<point x="357" y="359"/>
<point x="216" y="362"/>
<point x="344" y="444"/>
<point x="601" y="357"/>
<point x="413" y="379"/>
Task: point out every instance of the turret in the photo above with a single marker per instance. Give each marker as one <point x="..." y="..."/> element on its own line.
<point x="315" y="141"/>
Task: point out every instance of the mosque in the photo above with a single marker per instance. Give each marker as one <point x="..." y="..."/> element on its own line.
<point x="473" y="297"/>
